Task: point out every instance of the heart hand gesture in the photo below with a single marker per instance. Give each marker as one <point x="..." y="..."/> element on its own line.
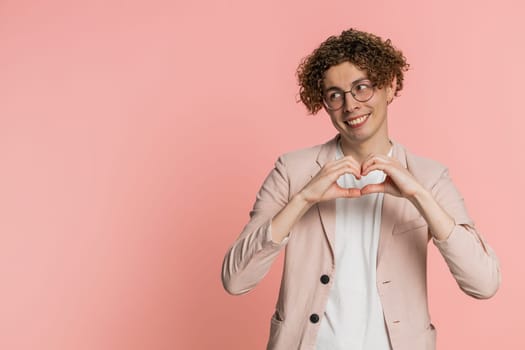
<point x="399" y="181"/>
<point x="323" y="186"/>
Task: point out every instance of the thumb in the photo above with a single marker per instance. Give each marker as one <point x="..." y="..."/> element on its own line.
<point x="351" y="192"/>
<point x="374" y="188"/>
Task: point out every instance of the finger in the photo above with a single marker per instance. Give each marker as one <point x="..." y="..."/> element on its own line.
<point x="387" y="186"/>
<point x="346" y="160"/>
<point x="350" y="159"/>
<point x="374" y="188"/>
<point x="325" y="181"/>
<point x="374" y="159"/>
<point x="370" y="162"/>
<point x="385" y="167"/>
<point x="348" y="192"/>
<point x="344" y="168"/>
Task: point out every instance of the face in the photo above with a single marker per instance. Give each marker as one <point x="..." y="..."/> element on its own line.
<point x="358" y="122"/>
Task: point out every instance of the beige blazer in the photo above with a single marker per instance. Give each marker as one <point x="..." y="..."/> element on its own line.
<point x="309" y="264"/>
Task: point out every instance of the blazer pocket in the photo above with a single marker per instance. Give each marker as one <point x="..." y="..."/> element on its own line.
<point x="409" y="225"/>
<point x="277" y="318"/>
<point x="275" y="331"/>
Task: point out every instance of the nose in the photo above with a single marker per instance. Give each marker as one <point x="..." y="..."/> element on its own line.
<point x="350" y="102"/>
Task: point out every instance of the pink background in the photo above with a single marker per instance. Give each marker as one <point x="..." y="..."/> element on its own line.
<point x="135" y="134"/>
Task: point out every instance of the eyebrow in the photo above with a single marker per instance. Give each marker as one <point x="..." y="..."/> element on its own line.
<point x="353" y="83"/>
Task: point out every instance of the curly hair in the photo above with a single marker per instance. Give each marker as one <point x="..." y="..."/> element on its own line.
<point x="380" y="59"/>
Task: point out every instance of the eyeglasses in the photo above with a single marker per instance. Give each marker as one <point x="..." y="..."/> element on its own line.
<point x="335" y="98"/>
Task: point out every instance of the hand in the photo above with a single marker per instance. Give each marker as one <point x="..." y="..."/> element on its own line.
<point x="399" y="181"/>
<point x="323" y="186"/>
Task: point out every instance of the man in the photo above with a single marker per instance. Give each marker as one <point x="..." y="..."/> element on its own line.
<point x="355" y="216"/>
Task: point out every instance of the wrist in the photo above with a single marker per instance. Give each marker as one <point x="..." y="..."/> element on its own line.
<point x="419" y="197"/>
<point x="301" y="200"/>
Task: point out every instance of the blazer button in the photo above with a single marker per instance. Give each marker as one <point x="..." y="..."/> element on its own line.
<point x="325" y="279"/>
<point x="314" y="318"/>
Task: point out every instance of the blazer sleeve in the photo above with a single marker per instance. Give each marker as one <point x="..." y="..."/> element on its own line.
<point x="250" y="257"/>
<point x="470" y="259"/>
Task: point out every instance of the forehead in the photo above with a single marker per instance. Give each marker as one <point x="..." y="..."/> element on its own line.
<point x="342" y="75"/>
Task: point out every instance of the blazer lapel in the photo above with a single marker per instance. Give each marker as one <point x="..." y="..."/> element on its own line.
<point x="391" y="208"/>
<point x="327" y="208"/>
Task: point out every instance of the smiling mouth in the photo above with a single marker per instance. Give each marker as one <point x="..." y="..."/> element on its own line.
<point x="356" y="122"/>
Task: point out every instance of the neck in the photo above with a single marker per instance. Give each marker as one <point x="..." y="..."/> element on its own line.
<point x="361" y="151"/>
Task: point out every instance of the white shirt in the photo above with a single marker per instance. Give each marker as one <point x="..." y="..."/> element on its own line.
<point x="353" y="319"/>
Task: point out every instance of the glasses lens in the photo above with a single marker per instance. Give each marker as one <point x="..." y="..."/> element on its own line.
<point x="363" y="91"/>
<point x="334" y="98"/>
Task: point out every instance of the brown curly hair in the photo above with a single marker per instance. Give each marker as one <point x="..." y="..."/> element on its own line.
<point x="368" y="52"/>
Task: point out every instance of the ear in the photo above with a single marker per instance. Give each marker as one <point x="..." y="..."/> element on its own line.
<point x="391" y="89"/>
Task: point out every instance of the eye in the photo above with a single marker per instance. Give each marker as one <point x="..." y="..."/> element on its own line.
<point x="334" y="95"/>
<point x="362" y="87"/>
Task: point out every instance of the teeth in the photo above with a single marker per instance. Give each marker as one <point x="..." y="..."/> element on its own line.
<point x="358" y="120"/>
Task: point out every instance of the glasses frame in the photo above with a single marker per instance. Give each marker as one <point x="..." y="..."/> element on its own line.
<point x="373" y="85"/>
